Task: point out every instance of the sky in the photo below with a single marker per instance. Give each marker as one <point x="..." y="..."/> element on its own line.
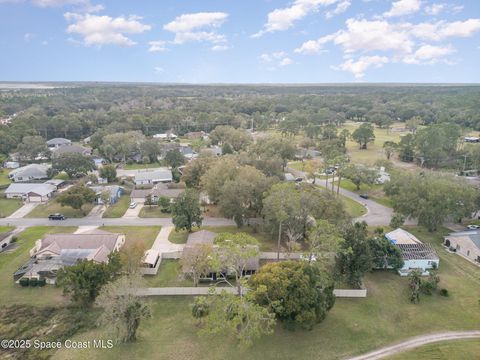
<point x="240" y="41"/>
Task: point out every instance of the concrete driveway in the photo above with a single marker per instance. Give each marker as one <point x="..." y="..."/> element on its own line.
<point x="24" y="210"/>
<point x="133" y="213"/>
<point x="96" y="212"/>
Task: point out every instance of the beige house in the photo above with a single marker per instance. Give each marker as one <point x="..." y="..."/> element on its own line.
<point x="466" y="244"/>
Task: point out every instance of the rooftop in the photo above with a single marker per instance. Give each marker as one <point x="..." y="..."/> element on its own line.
<point x="417" y="252"/>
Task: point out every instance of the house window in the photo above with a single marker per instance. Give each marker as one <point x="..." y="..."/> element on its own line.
<point x="468" y="253"/>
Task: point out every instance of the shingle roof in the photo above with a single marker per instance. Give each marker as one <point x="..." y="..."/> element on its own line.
<point x="159" y="190"/>
<point x="201" y="237"/>
<point x="25" y="188"/>
<point x="32" y="170"/>
<point x="471" y="235"/>
<point x="417" y="252"/>
<point x="161" y="175"/>
<point x="72" y="149"/>
<point x="58" y="141"/>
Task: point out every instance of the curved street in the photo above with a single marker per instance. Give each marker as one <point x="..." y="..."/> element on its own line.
<point x="417" y="342"/>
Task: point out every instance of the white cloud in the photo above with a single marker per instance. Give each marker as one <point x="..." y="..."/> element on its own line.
<point x="100" y="30"/>
<point x="434" y="9"/>
<point x="158" y="69"/>
<point x="286" y="61"/>
<point x="403" y="7"/>
<point x="358" y="68"/>
<point x="341" y="8"/>
<point x="157" y="46"/>
<point x="197" y="27"/>
<point x="220" y="47"/>
<point x="442" y="29"/>
<point x="429" y="54"/>
<point x="283" y="19"/>
<point x="29" y="36"/>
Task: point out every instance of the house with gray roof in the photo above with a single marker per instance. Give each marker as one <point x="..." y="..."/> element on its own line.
<point x="56" y="251"/>
<point x="114" y="192"/>
<point x="30" y="192"/>
<point x="465" y="244"/>
<point x="151" y="177"/>
<point x="30" y="172"/>
<point x="158" y="191"/>
<point x="58" y="142"/>
<point x="72" y="149"/>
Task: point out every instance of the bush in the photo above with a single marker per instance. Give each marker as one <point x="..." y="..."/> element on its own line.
<point x="444" y="292"/>
<point x="14" y="239"/>
<point x="24" y="282"/>
<point x="129" y="162"/>
<point x="33" y="282"/>
<point x="42" y="282"/>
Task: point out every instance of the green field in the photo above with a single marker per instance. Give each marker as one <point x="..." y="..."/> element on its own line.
<point x="4" y="229"/>
<point x="153" y="212"/>
<point x="354" y="326"/>
<point x="118" y="210"/>
<point x="10" y="261"/>
<point x="140" y="166"/>
<point x="133" y="234"/>
<point x="52" y="207"/>
<point x="462" y="349"/>
<point x="9" y="206"/>
<point x="4" y="180"/>
<point x="169" y="274"/>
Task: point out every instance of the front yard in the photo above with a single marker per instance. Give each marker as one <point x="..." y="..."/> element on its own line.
<point x="144" y="234"/>
<point x="118" y="210"/>
<point x="52" y="207"/>
<point x="153" y="212"/>
<point x="8" y="206"/>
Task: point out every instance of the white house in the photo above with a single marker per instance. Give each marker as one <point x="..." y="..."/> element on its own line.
<point x="30" y="192"/>
<point x="382" y="177"/>
<point x="151" y="177"/>
<point x="169" y="135"/>
<point x="416" y="255"/>
<point x="465" y="244"/>
<point x="11" y="165"/>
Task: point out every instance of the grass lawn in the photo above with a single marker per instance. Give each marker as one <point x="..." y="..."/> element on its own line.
<point x="153" y="212"/>
<point x="118" y="210"/>
<point x="52" y="207"/>
<point x="169" y="274"/>
<point x="353" y="208"/>
<point x="352" y="327"/>
<point x="10" y="261"/>
<point x="267" y="243"/>
<point x="146" y="234"/>
<point x="4" y="229"/>
<point x="4" y="180"/>
<point x="297" y="165"/>
<point x="462" y="349"/>
<point x="140" y="166"/>
<point x="375" y="192"/>
<point x="9" y="206"/>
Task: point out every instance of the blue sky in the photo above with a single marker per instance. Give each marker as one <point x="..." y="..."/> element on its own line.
<point x="242" y="41"/>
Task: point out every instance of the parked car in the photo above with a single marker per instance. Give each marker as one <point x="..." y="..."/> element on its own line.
<point x="133" y="205"/>
<point x="364" y="196"/>
<point x="56" y="217"/>
<point x="298" y="179"/>
<point x="473" y="227"/>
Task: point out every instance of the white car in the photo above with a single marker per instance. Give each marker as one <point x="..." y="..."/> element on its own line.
<point x="133" y="205"/>
<point x="473" y="227"/>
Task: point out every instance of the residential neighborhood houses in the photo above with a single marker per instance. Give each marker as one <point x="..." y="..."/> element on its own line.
<point x="465" y="244"/>
<point x="29" y="172"/>
<point x="152" y="177"/>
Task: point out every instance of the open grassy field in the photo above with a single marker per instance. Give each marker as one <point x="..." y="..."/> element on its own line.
<point x="118" y="210"/>
<point x="374" y="150"/>
<point x="353" y="326"/>
<point x="10" y="261"/>
<point x="462" y="349"/>
<point x="153" y="212"/>
<point x="9" y="206"/>
<point x="267" y="243"/>
<point x="4" y="180"/>
<point x="145" y="234"/>
<point x="353" y="208"/>
<point x="52" y="207"/>
<point x="141" y="166"/>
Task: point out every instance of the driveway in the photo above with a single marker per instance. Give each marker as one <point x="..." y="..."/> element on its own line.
<point x="416" y="342"/>
<point x="133" y="213"/>
<point x="96" y="212"/>
<point x="24" y="210"/>
<point x="163" y="245"/>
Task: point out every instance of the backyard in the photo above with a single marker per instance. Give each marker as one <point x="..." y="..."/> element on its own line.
<point x="354" y="326"/>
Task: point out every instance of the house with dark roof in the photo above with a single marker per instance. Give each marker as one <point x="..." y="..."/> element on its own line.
<point x="465" y="244"/>
<point x="30" y="172"/>
<point x="416" y="255"/>
<point x="56" y="251"/>
<point x="206" y="238"/>
<point x="58" y="142"/>
<point x="72" y="149"/>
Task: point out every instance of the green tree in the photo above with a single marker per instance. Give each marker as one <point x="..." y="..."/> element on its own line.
<point x="174" y="158"/>
<point x="389" y="147"/>
<point x="77" y="196"/>
<point x="196" y="261"/>
<point x="123" y="307"/>
<point x="32" y="147"/>
<point x="298" y="293"/>
<point x="73" y="164"/>
<point x="237" y="316"/>
<point x="186" y="211"/>
<point x="108" y="172"/>
<point x="385" y="255"/>
<point x="323" y="239"/>
<point x="364" y="134"/>
<point x="200" y="308"/>
<point x="406" y="148"/>
<point x="83" y="281"/>
<point x="195" y="169"/>
<point x="359" y="175"/>
<point x="217" y="175"/>
<point x="397" y="220"/>
<point x="355" y="258"/>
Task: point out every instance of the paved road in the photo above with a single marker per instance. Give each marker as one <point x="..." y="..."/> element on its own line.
<point x="416" y="342"/>
<point x="26" y="222"/>
<point x="377" y="214"/>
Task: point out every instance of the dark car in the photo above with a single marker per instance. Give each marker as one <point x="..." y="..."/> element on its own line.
<point x="364" y="196"/>
<point x="56" y="217"/>
<point x="298" y="179"/>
